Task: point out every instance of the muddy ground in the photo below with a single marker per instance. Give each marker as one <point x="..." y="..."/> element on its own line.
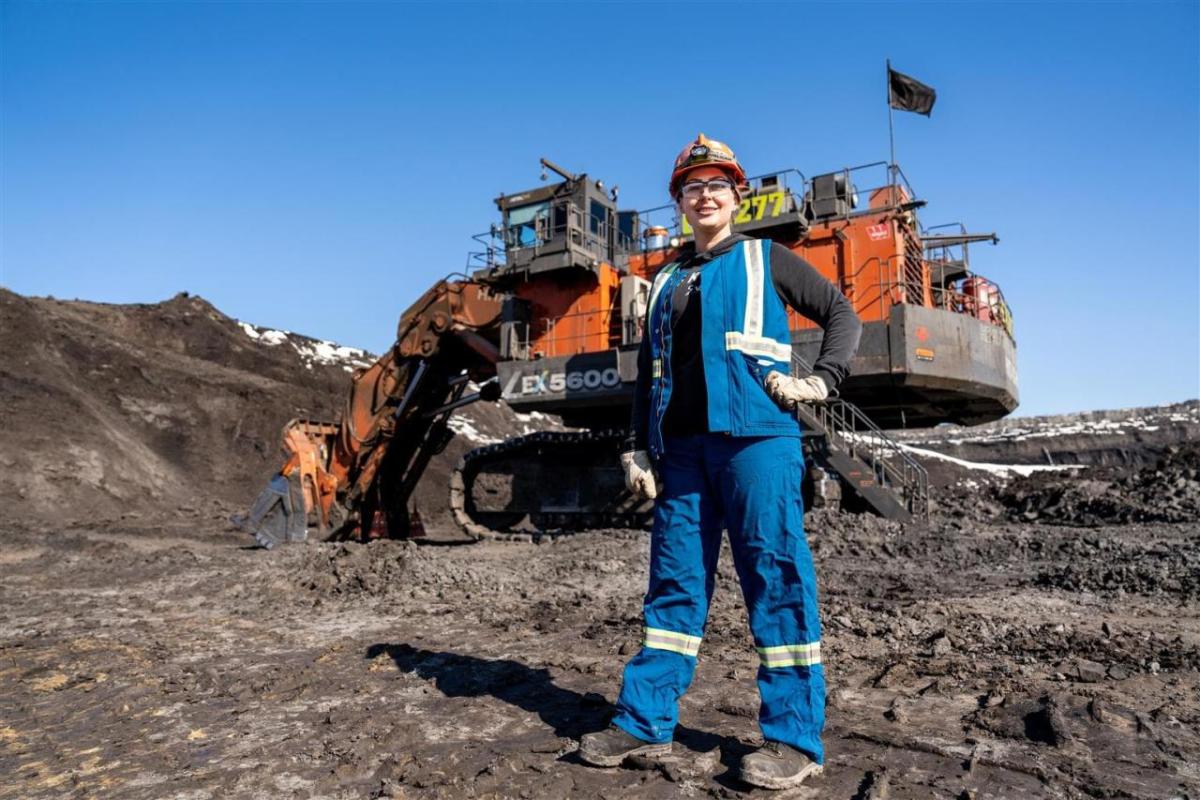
<point x="1037" y="637"/>
<point x="964" y="659"/>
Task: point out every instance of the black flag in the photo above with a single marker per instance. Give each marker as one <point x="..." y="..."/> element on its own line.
<point x="909" y="94"/>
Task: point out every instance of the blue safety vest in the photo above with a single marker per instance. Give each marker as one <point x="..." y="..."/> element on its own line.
<point x="744" y="335"/>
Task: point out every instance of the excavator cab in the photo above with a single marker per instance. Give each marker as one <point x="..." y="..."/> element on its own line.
<point x="573" y="224"/>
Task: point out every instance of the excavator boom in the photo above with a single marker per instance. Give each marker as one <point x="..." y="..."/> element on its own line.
<point x="354" y="477"/>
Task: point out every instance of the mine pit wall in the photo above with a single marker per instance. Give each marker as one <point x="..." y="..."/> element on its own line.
<point x="1125" y="437"/>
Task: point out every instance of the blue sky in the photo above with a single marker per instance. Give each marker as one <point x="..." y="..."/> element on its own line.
<point x="315" y="166"/>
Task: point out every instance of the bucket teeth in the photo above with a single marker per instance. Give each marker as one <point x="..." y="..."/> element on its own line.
<point x="277" y="516"/>
<point x="264" y="541"/>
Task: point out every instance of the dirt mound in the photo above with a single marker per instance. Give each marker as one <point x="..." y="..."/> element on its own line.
<point x="112" y="409"/>
<point x="1167" y="491"/>
<point x="121" y="411"/>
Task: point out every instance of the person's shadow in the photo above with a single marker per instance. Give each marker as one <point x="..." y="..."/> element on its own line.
<point x="568" y="713"/>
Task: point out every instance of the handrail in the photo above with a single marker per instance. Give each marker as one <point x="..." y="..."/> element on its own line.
<point x="961" y="228"/>
<point x="606" y="317"/>
<point x="945" y="299"/>
<point x="852" y="431"/>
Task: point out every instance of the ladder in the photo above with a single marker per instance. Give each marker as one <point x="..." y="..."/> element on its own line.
<point x="846" y="442"/>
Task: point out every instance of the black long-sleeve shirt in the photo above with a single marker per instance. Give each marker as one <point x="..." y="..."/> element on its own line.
<point x="798" y="284"/>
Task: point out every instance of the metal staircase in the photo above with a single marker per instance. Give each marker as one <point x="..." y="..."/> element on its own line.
<point x="846" y="442"/>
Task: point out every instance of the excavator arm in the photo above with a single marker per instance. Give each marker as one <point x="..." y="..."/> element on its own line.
<point x="353" y="477"/>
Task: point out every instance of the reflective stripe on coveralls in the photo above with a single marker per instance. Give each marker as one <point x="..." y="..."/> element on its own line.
<point x="791" y="655"/>
<point x="670" y="640"/>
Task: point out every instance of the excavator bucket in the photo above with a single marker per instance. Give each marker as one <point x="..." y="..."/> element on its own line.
<point x="278" y="515"/>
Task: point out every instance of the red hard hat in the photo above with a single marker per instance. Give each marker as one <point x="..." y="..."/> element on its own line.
<point x="706" y="152"/>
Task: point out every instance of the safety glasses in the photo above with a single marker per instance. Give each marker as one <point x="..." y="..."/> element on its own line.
<point x="715" y="186"/>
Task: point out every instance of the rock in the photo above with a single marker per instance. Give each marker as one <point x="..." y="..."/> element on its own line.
<point x="556" y="745"/>
<point x="942" y="646"/>
<point x="641" y="762"/>
<point x="1039" y="720"/>
<point x="1117" y="672"/>
<point x="1088" y="671"/>
<point x="707" y="763"/>
<point x="674" y="770"/>
<point x="874" y="786"/>
<point x="897" y="712"/>
<point x="670" y="767"/>
<point x="1057" y="722"/>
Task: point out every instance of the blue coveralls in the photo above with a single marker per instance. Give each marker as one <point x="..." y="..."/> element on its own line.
<point x="744" y="475"/>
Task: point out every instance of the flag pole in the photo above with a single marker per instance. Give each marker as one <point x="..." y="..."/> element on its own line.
<point x="891" y="133"/>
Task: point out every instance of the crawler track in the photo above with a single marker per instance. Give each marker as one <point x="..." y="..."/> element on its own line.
<point x="545" y="483"/>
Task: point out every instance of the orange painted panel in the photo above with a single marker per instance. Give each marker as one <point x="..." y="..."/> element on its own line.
<point x="573" y="312"/>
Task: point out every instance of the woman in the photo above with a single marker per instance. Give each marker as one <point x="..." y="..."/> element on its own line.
<point x="713" y="416"/>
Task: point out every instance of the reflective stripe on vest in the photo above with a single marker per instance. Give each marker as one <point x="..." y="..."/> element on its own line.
<point x="758" y="346"/>
<point x="750" y="339"/>
<point x="752" y="324"/>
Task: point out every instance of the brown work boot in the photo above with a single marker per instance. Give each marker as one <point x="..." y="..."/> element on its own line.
<point x="611" y="746"/>
<point x="776" y="765"/>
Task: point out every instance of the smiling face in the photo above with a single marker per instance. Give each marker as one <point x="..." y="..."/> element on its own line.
<point x="708" y="212"/>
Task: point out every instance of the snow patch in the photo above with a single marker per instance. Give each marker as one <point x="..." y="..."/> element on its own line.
<point x="465" y="426"/>
<point x="267" y="337"/>
<point x="320" y="352"/>
<point x="1020" y="430"/>
<point x="532" y="422"/>
<point x="994" y="469"/>
<point x="311" y="351"/>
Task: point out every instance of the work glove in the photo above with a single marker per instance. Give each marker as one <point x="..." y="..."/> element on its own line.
<point x="788" y="391"/>
<point x="639" y="475"/>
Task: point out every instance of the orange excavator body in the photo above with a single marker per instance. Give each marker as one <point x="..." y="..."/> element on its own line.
<point x="552" y="319"/>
